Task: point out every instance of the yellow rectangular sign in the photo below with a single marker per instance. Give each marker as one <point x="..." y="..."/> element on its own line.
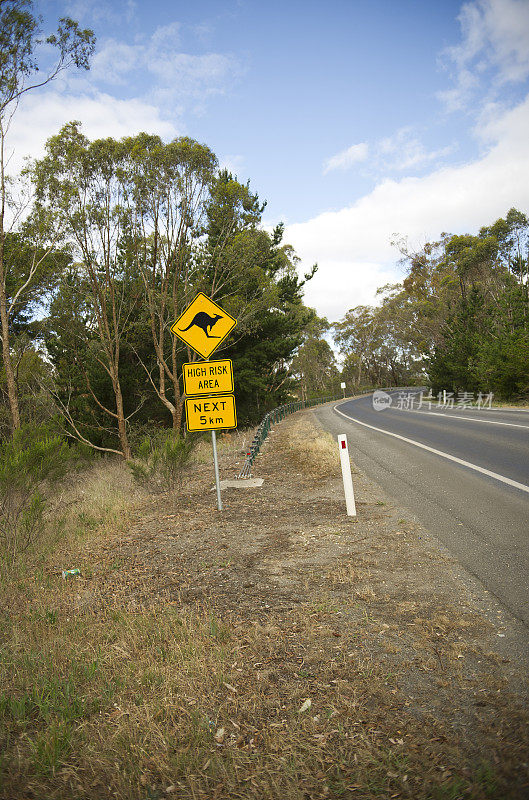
<point x="211" y="413"/>
<point x="208" y="377"/>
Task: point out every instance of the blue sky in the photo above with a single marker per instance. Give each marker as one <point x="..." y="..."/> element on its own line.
<point x="354" y="120"/>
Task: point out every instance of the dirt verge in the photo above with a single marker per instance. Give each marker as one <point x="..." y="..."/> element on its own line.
<point x="332" y="658"/>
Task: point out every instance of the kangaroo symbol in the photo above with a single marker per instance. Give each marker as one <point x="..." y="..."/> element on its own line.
<point x="203" y="321"/>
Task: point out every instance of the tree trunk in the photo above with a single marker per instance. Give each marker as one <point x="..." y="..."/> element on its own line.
<point x="178" y="406"/>
<point x="4" y="317"/>
<point x="6" y="356"/>
<point x="122" y="425"/>
<point x="177" y="416"/>
<point x="178" y="399"/>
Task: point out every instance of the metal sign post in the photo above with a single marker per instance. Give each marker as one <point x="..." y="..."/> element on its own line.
<point x="216" y="465"/>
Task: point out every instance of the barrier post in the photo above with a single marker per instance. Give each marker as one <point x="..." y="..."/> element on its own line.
<point x="346" y="475"/>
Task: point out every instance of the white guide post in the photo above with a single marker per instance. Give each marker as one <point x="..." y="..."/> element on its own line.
<point x="346" y="474"/>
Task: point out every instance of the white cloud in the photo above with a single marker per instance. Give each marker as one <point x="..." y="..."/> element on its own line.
<point x="90" y="11"/>
<point x="346" y="158"/>
<point x="114" y="60"/>
<point x="495" y="35"/>
<point x="340" y="285"/>
<point x="396" y="153"/>
<point x="456" y="98"/>
<point x="185" y="74"/>
<point x="404" y="150"/>
<point x="41" y="116"/>
<point x="352" y="246"/>
<point x="203" y="32"/>
<point x="175" y="74"/>
<point x="166" y="37"/>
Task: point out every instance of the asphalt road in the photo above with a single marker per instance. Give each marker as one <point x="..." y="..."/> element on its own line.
<point x="478" y="509"/>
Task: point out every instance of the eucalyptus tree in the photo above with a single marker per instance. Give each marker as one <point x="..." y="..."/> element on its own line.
<point x="358" y="333"/>
<point x="148" y="225"/>
<point x="168" y="186"/>
<point x="82" y="183"/>
<point x="197" y="229"/>
<point x="20" y="35"/>
<point x="485" y="339"/>
<point x="461" y="314"/>
<point x="314" y="364"/>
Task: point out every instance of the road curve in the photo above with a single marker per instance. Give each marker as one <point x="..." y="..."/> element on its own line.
<point x="464" y="473"/>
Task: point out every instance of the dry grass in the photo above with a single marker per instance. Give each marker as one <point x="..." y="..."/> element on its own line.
<point x="314" y="450"/>
<point x="139" y="696"/>
<point x="96" y="498"/>
<point x="227" y="442"/>
<point x="130" y="705"/>
<point x="521" y="405"/>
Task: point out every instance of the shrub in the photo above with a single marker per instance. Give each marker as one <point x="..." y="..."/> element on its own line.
<point x="161" y="460"/>
<point x="30" y="462"/>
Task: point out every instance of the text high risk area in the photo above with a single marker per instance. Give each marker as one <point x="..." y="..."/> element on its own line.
<point x="207" y="370"/>
<point x="208" y="377"/>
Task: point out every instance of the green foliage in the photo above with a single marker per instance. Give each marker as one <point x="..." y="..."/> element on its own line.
<point x="484" y="342"/>
<point x="33" y="460"/>
<point x="26" y="270"/>
<point x="161" y="460"/>
<point x="18" y="28"/>
<point x="19" y="38"/>
<point x="178" y="228"/>
<point x="272" y="319"/>
<point x="314" y="364"/>
<point x="460" y="317"/>
<point x="23" y="251"/>
<point x="50" y="747"/>
<point x="380" y="343"/>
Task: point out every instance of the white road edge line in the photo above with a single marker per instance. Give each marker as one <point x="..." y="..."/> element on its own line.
<point x="467" y="419"/>
<point x="475" y="467"/>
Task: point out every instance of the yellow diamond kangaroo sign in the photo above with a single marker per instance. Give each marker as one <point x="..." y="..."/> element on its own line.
<point x="203" y="325"/>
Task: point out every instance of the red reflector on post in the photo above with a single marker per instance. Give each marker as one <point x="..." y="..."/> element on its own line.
<point x="343" y="444"/>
